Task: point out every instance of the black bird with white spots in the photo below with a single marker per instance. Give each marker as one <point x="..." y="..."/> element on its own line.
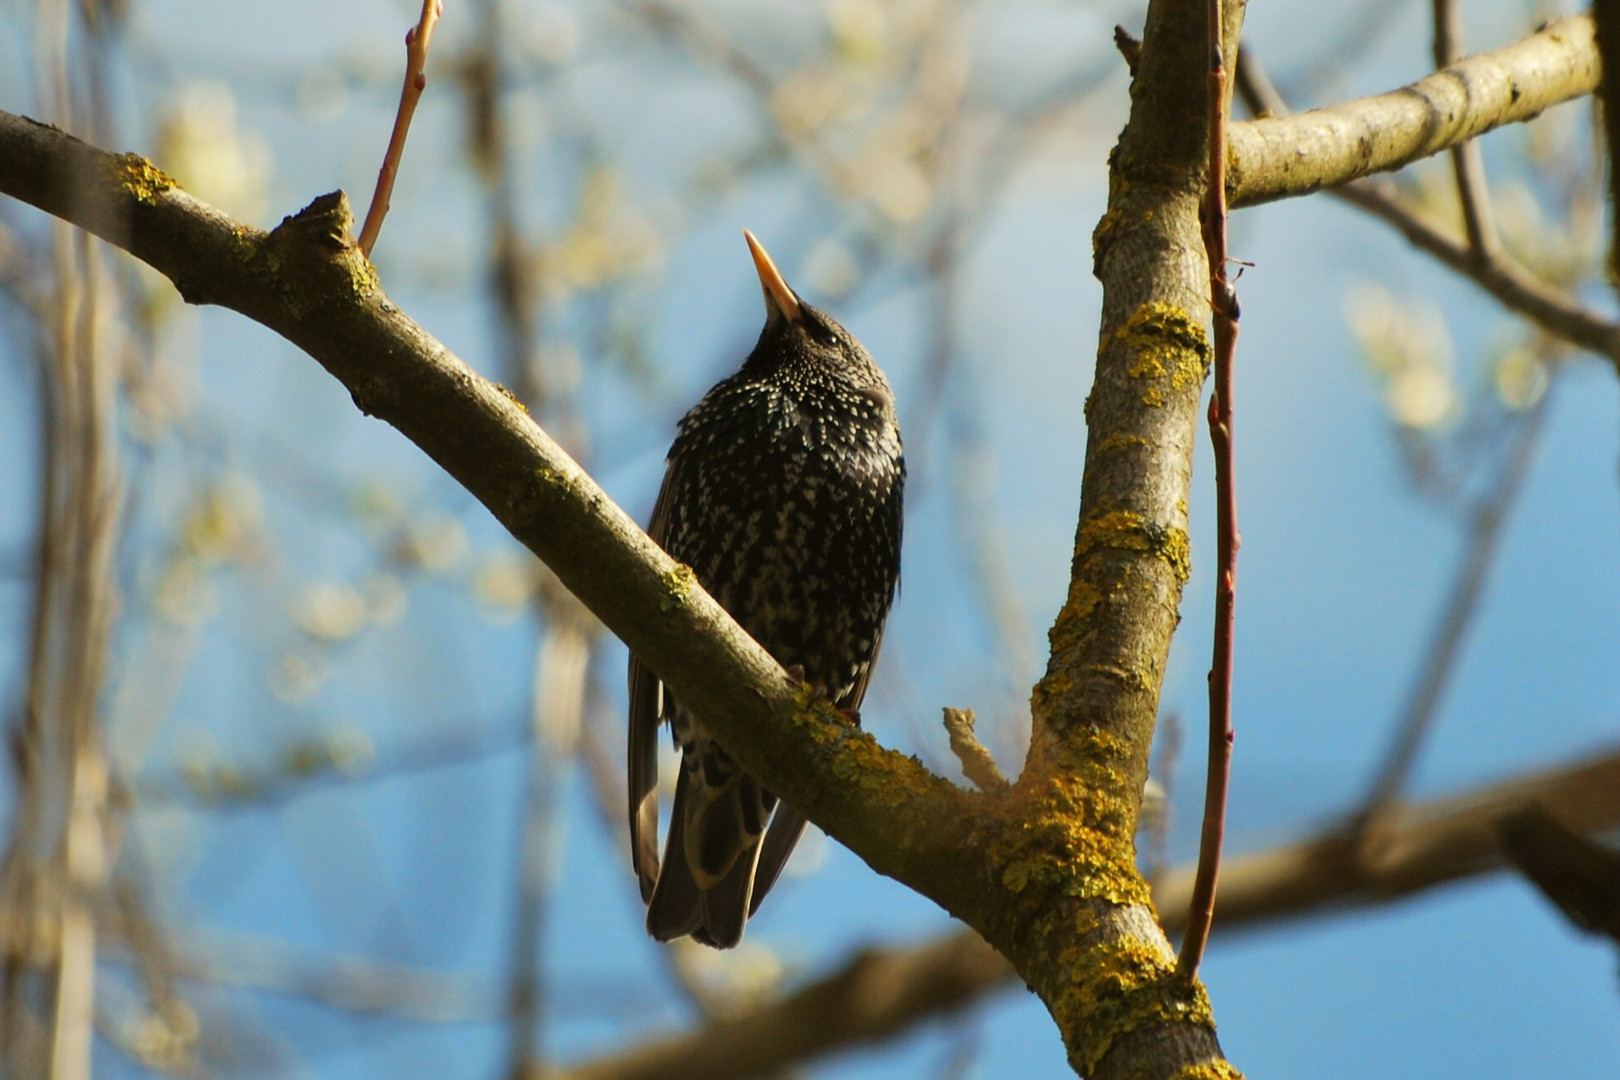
<point x="783" y="494"/>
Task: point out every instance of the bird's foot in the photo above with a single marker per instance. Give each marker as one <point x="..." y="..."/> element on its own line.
<point x="820" y="694"/>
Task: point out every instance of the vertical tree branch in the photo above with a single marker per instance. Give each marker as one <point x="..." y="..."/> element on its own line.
<point x="1466" y="160"/>
<point x="1606" y="14"/>
<point x="1224" y="318"/>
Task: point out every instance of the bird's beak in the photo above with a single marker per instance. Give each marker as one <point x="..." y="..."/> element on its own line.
<point x="780" y="301"/>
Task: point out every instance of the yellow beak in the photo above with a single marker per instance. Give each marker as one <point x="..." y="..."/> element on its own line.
<point x="780" y="301"/>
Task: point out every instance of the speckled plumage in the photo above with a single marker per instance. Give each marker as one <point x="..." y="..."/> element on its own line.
<point x="783" y="494"/>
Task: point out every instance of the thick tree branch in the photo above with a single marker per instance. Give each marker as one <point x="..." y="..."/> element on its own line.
<point x="1094" y="710"/>
<point x="1280" y="157"/>
<point x="881" y="991"/>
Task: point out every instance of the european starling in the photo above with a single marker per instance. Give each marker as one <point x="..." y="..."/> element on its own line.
<point x="783" y="494"/>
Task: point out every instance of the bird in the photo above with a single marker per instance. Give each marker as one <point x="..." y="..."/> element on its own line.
<point x="783" y="492"/>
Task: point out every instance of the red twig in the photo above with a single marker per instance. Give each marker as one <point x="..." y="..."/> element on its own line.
<point x="416" y="52"/>
<point x="1224" y="305"/>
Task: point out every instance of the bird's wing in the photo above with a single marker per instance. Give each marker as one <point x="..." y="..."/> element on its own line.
<point x="646" y="714"/>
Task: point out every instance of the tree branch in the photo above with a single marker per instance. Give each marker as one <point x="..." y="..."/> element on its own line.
<point x="1045" y="872"/>
<point x="308" y="282"/>
<point x="882" y="991"/>
<point x="1510" y="283"/>
<point x="1281" y="157"/>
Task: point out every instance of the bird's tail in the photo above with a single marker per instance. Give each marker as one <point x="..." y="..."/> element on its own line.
<point x="706" y="884"/>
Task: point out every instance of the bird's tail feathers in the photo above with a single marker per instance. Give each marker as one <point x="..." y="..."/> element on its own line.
<point x="706" y="884"/>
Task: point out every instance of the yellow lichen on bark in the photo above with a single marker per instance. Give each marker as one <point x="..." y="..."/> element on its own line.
<point x="678" y="583"/>
<point x="1118" y="986"/>
<point x="1073" y="827"/>
<point x="140" y="177"/>
<point x="1171" y="352"/>
<point x="1135" y="532"/>
<point x="1210" y="1070"/>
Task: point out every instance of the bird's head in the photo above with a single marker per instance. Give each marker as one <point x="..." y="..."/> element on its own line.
<point x="797" y="333"/>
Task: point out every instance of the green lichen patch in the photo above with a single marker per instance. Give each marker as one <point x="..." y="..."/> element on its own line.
<point x="1116" y="988"/>
<point x="140" y="177"/>
<point x="678" y="582"/>
<point x="1135" y="532"/>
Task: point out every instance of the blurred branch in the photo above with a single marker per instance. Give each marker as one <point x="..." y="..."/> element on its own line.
<point x="1581" y="876"/>
<point x="312" y="765"/>
<point x="349" y="983"/>
<point x="1420" y="846"/>
<point x="1468" y="164"/>
<point x="1511" y="284"/>
<point x="1606" y="13"/>
<point x="878" y="993"/>
<point x="57" y="851"/>
<point x="1487" y="519"/>
<point x="1412" y="848"/>
<point x="1516" y="288"/>
<point x="1281" y="157"/>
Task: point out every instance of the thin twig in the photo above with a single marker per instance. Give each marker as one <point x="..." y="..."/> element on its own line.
<point x="1466" y="161"/>
<point x="1224" y="318"/>
<point x="417" y="40"/>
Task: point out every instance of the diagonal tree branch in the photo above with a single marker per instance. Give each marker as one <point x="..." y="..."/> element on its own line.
<point x="1283" y="156"/>
<point x="1489" y="267"/>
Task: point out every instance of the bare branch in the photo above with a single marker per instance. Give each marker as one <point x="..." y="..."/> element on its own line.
<point x="1224" y="311"/>
<point x="1513" y="286"/>
<point x="879" y="993"/>
<point x="1281" y="157"/>
<point x="1607" y="16"/>
<point x="1488" y="519"/>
